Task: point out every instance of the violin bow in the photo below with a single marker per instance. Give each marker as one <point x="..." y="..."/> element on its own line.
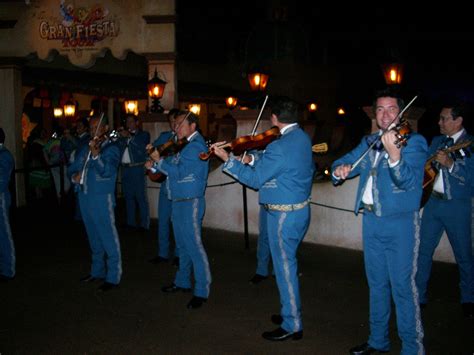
<point x="257" y="121"/>
<point x="89" y="154"/>
<point x="357" y="162"/>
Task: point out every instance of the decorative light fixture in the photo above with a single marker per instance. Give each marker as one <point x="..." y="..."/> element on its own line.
<point x="69" y="108"/>
<point x="312" y="107"/>
<point x="393" y="73"/>
<point x="231" y="102"/>
<point x="156" y="89"/>
<point x="195" y="108"/>
<point x="258" y="80"/>
<point x="340" y="111"/>
<point x="58" y="112"/>
<point x="131" y="107"/>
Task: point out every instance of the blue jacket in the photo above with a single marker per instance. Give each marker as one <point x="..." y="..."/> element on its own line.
<point x="136" y="146"/>
<point x="6" y="167"/>
<point x="284" y="172"/>
<point x="395" y="190"/>
<point x="458" y="182"/>
<point x="187" y="173"/>
<point x="163" y="138"/>
<point x="101" y="173"/>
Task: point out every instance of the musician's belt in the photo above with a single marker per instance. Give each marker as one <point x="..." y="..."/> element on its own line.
<point x="367" y="207"/>
<point x="438" y="195"/>
<point x="285" y="208"/>
<point x="131" y="165"/>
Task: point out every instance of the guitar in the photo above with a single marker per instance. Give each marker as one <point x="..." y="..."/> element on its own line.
<point x="320" y="148"/>
<point x="431" y="171"/>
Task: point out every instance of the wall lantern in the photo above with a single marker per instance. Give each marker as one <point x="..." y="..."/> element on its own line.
<point x="312" y="107"/>
<point x="156" y="89"/>
<point x="131" y="107"/>
<point x="58" y="112"/>
<point x="258" y="81"/>
<point x="393" y="73"/>
<point x="340" y="111"/>
<point x="195" y="108"/>
<point x="69" y="108"/>
<point x="231" y="102"/>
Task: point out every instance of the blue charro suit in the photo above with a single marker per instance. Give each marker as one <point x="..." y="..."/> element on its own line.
<point x="391" y="238"/>
<point x="284" y="178"/>
<point x="134" y="179"/>
<point x="7" y="248"/>
<point x="97" y="203"/>
<point x="450" y="213"/>
<point x="185" y="186"/>
<point x="164" y="209"/>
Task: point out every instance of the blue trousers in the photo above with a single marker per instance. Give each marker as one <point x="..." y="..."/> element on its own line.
<point x="7" y="248"/>
<point x="99" y="220"/>
<point x="286" y="230"/>
<point x="187" y="222"/>
<point x="454" y="217"/>
<point x="263" y="248"/>
<point x="164" y="220"/>
<point x="390" y="253"/>
<point x="134" y="191"/>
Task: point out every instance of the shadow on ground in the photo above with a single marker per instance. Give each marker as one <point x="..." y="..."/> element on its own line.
<point x="45" y="310"/>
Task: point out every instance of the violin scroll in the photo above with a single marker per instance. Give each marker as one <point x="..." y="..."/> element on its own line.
<point x="402" y="132"/>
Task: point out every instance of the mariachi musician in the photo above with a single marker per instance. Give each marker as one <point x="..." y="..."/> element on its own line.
<point x="449" y="206"/>
<point x="133" y="141"/>
<point x="164" y="204"/>
<point x="94" y="172"/>
<point x="186" y="186"/>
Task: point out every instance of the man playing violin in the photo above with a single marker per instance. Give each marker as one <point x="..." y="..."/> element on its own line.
<point x="449" y="206"/>
<point x="132" y="142"/>
<point x="94" y="172"/>
<point x="164" y="204"/>
<point x="186" y="186"/>
<point x="389" y="191"/>
<point x="283" y="176"/>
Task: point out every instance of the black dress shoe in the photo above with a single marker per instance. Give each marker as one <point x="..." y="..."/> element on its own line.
<point x="107" y="286"/>
<point x="5" y="279"/>
<point x="196" y="302"/>
<point x="158" y="259"/>
<point x="277" y="319"/>
<point x="468" y="309"/>
<point x="257" y="278"/>
<point x="281" y="334"/>
<point x="173" y="289"/>
<point x="89" y="278"/>
<point x="365" y="349"/>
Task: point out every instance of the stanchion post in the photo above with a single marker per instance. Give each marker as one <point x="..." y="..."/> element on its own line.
<point x="246" y="220"/>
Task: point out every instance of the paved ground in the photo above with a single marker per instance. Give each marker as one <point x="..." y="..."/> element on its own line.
<point x="45" y="310"/>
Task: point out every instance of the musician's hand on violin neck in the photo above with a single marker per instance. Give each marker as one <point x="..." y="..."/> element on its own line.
<point x="76" y="178"/>
<point x="342" y="171"/>
<point x="149" y="164"/>
<point x="155" y="155"/>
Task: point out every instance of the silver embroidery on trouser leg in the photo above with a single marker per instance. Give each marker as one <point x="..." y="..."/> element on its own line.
<point x="291" y="292"/>
<point x="197" y="237"/>
<point x="419" y="326"/>
<point x="9" y="235"/>
<point x="115" y="233"/>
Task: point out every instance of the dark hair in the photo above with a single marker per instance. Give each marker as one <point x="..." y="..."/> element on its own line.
<point x="2" y="136"/>
<point x="172" y="113"/>
<point x="131" y="115"/>
<point x="458" y="109"/>
<point x="285" y="109"/>
<point x="389" y="92"/>
<point x="85" y="122"/>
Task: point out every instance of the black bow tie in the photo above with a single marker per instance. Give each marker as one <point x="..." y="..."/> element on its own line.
<point x="378" y="146"/>
<point x="448" y="142"/>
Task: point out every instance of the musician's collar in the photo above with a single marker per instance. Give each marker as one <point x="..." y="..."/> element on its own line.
<point x="190" y="138"/>
<point x="287" y="127"/>
<point x="456" y="135"/>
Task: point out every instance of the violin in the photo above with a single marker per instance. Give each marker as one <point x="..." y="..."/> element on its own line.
<point x="97" y="141"/>
<point x="402" y="132"/>
<point x="168" y="148"/>
<point x="251" y="142"/>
